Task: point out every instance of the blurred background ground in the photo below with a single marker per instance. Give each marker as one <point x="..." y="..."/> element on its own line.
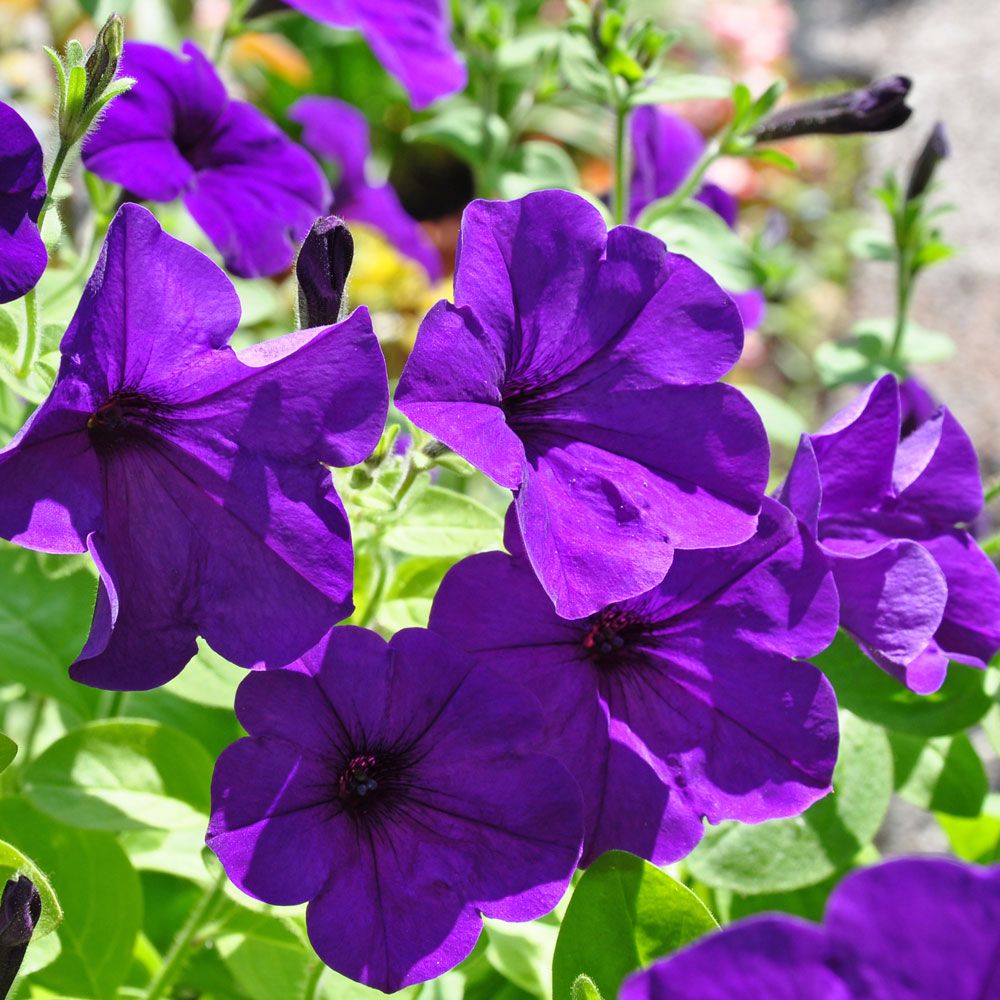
<point x="947" y="47"/>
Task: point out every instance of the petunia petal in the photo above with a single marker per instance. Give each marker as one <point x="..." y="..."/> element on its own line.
<point x="259" y="564"/>
<point x="855" y="449"/>
<point x="138" y="142"/>
<point x="892" y="598"/>
<point x="151" y="314"/>
<point x="405" y="920"/>
<point x="50" y="479"/>
<point x="764" y="958"/>
<point x="279" y="842"/>
<point x="895" y="930"/>
<point x="257" y="195"/>
<point x="409" y="37"/>
<point x="970" y="628"/>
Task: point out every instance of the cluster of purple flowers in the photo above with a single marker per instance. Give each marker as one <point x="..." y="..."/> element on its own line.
<point x="629" y="668"/>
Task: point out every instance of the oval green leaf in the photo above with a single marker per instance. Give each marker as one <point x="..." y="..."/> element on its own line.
<point x="786" y="854"/>
<point x="624" y="913"/>
<point x="122" y="775"/>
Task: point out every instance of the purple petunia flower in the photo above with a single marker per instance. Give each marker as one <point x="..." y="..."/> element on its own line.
<point x="665" y="148"/>
<point x="338" y="131"/>
<point x="578" y="368"/>
<point x="177" y="134"/>
<point x="397" y="789"/>
<point x="190" y="473"/>
<point x="915" y="589"/>
<point x="680" y="704"/>
<point x="22" y="193"/>
<point x="411" y="38"/>
<point x="907" y="929"/>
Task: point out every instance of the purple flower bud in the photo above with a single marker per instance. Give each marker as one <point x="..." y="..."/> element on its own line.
<point x="321" y="269"/>
<point x="20" y="908"/>
<point x="935" y="149"/>
<point x="879" y="107"/>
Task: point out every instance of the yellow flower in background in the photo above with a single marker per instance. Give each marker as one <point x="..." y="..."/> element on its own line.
<point x="395" y="288"/>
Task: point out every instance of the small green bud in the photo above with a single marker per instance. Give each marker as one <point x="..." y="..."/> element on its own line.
<point x="90" y="80"/>
<point x="104" y="58"/>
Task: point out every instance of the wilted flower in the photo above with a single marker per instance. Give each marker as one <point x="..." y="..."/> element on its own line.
<point x="879" y="107"/>
<point x="20" y="908"/>
<point x="190" y="473"/>
<point x="397" y="789"/>
<point x="665" y="149"/>
<point x="177" y="134"/>
<point x="579" y="368"/>
<point x="907" y="929"/>
<point x="22" y="194"/>
<point x="339" y="132"/>
<point x="411" y="38"/>
<point x="915" y="589"/>
<point x="680" y="704"/>
<point x="321" y="270"/>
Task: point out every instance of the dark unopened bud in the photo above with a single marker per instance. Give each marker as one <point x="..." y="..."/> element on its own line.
<point x="321" y="269"/>
<point x="879" y="107"/>
<point x="935" y="150"/>
<point x="104" y="58"/>
<point x="20" y="908"/>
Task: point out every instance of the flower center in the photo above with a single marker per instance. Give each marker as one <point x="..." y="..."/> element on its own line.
<point x="125" y="416"/>
<point x="369" y="778"/>
<point x="610" y="634"/>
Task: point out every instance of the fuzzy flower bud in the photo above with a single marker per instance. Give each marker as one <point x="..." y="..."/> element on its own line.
<point x="321" y="270"/>
<point x="936" y="148"/>
<point x="879" y="107"/>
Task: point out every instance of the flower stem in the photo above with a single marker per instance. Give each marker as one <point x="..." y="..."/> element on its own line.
<point x="622" y="178"/>
<point x="177" y="955"/>
<point x="904" y="286"/>
<point x="691" y="184"/>
<point x="32" y="312"/>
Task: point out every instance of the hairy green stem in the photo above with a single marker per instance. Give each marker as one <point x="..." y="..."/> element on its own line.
<point x="177" y="954"/>
<point x="904" y="287"/>
<point x="32" y="312"/>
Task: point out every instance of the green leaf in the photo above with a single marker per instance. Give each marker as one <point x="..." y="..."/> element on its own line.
<point x="943" y="774"/>
<point x="537" y="165"/>
<point x="697" y="232"/>
<point x="443" y="523"/>
<point x="522" y="954"/>
<point x="583" y="74"/>
<point x="976" y="840"/>
<point x="209" y="679"/>
<point x="773" y="157"/>
<point x="871" y="693"/>
<point x="864" y="355"/>
<point x="407" y="601"/>
<point x="784" y="424"/>
<point x="44" y="619"/>
<point x="100" y="896"/>
<point x="684" y="87"/>
<point x="459" y="127"/>
<point x="787" y="854"/>
<point x="583" y="988"/>
<point x="623" y="914"/>
<point x="8" y="751"/>
<point x="13" y="863"/>
<point x="122" y="775"/>
<point x="870" y="244"/>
